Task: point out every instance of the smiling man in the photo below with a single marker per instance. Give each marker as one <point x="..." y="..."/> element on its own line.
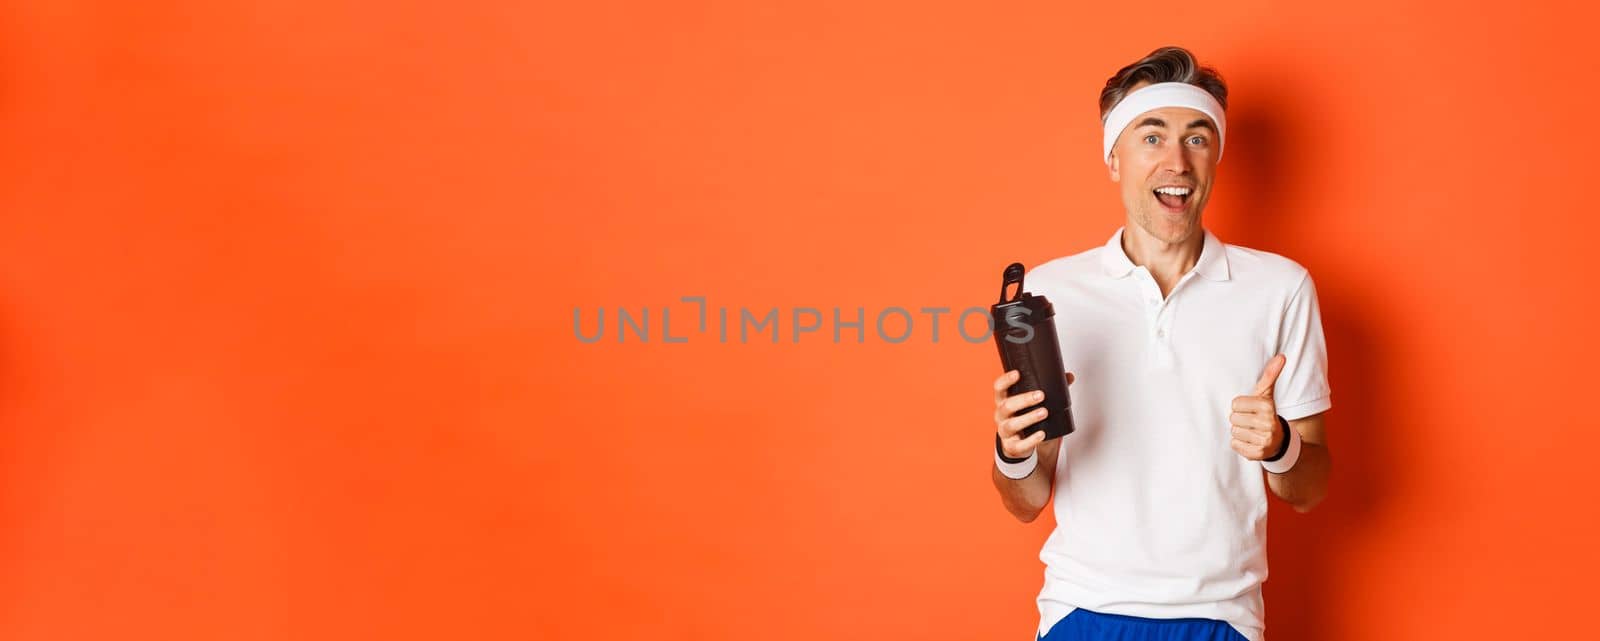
<point x="1200" y="385"/>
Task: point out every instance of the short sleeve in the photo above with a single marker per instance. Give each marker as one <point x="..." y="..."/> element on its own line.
<point x="1302" y="388"/>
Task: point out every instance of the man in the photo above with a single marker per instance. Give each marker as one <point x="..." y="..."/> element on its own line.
<point x="1190" y="351"/>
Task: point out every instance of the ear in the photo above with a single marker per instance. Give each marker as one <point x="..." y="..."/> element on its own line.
<point x="1113" y="168"/>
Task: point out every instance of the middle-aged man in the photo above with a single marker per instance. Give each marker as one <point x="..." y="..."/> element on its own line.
<point x="1203" y="383"/>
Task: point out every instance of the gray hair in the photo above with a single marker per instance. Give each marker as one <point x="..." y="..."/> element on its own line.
<point x="1167" y="64"/>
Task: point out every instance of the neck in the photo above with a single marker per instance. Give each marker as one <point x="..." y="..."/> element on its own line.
<point x="1166" y="261"/>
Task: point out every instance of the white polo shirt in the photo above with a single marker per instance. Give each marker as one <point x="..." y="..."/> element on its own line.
<point x="1156" y="516"/>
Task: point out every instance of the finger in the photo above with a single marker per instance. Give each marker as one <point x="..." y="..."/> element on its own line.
<point x="1248" y="404"/>
<point x="1269" y="376"/>
<point x="1002" y="384"/>
<point x="1011" y="426"/>
<point x="1016" y="424"/>
<point x="1251" y="421"/>
<point x="1013" y="404"/>
<point x="1070" y="378"/>
<point x="1248" y="450"/>
<point x="1020" y="448"/>
<point x="1249" y="436"/>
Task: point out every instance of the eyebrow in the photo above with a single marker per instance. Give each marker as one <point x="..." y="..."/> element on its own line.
<point x="1153" y="121"/>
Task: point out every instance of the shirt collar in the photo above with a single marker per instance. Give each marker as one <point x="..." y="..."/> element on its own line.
<point x="1213" y="263"/>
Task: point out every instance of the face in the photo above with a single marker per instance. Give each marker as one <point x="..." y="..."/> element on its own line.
<point x="1164" y="164"/>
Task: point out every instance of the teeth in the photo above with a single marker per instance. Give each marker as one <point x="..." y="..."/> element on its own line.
<point x="1173" y="191"/>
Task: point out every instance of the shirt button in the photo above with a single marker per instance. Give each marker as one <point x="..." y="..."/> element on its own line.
<point x="1161" y="333"/>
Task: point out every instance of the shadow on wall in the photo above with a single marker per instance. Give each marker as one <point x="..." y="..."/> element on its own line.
<point x="1310" y="554"/>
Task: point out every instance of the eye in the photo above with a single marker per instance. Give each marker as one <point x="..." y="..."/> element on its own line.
<point x="1151" y="138"/>
<point x="1198" y="141"/>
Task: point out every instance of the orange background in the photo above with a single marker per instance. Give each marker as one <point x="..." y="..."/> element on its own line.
<point x="288" y="293"/>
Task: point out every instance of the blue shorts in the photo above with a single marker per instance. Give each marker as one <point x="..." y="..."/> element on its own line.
<point x="1088" y="625"/>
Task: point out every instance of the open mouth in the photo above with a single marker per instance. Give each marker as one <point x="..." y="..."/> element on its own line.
<point x="1175" y="198"/>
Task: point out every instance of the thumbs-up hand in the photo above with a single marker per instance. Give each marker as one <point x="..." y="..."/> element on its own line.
<point x="1255" y="417"/>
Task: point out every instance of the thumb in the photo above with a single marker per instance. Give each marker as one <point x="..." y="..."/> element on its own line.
<point x="1269" y="376"/>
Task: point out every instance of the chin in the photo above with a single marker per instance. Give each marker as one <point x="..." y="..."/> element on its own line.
<point x="1169" y="229"/>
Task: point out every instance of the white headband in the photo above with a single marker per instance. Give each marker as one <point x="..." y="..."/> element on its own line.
<point x="1156" y="96"/>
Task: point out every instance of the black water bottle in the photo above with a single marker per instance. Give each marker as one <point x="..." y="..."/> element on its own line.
<point x="1025" y="332"/>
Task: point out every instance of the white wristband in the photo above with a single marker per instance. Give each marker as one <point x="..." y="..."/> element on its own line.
<point x="1017" y="471"/>
<point x="1290" y="456"/>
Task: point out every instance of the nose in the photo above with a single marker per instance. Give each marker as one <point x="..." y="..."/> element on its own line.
<point x="1175" y="158"/>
